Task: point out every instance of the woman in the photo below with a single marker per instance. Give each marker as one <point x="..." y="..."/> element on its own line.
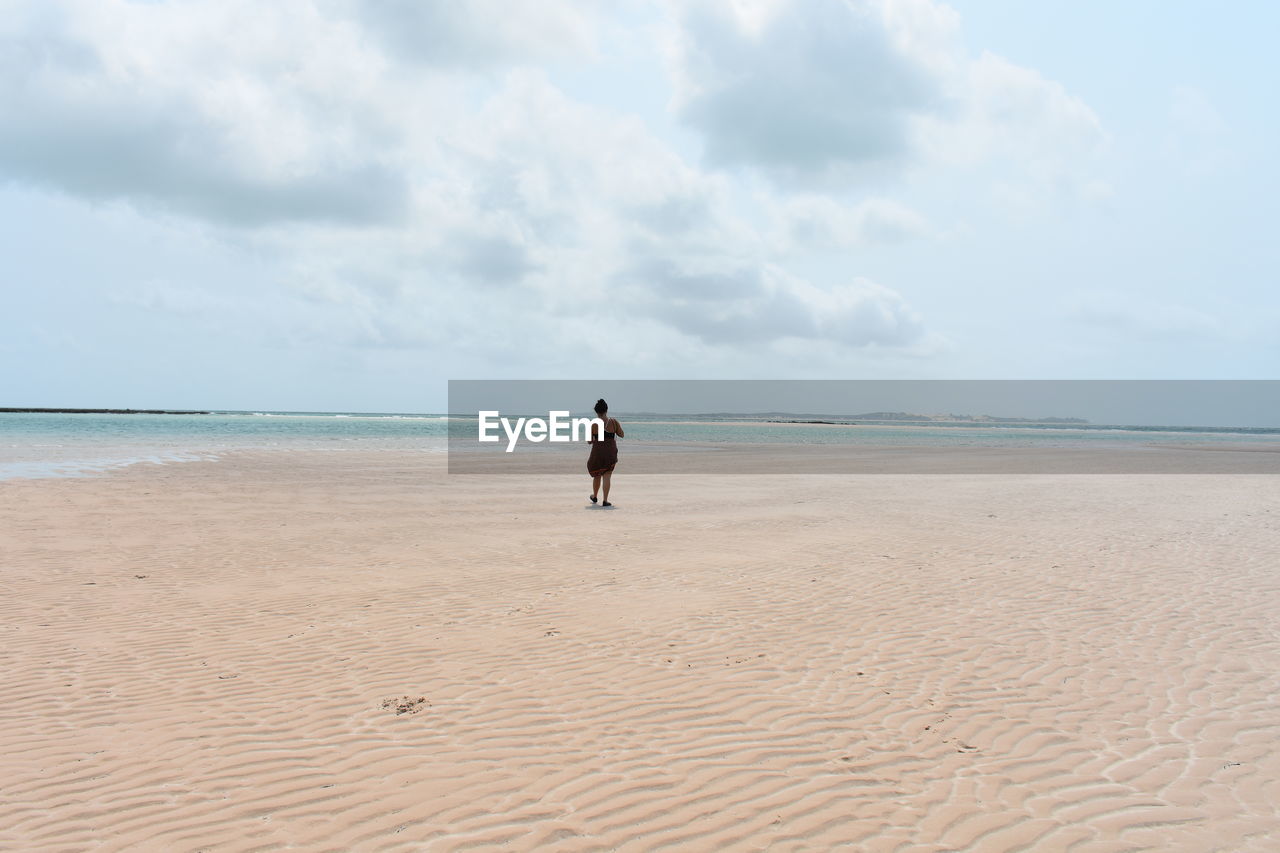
<point x="604" y="451"/>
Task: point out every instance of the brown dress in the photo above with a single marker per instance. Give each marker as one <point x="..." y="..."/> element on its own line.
<point x="604" y="454"/>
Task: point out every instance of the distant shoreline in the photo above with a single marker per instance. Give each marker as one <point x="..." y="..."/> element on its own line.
<point x="921" y="420"/>
<point x="871" y="419"/>
<point x="26" y="411"/>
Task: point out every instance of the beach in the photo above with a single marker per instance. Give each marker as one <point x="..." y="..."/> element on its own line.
<point x="360" y="651"/>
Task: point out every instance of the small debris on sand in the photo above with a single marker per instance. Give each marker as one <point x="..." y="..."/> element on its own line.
<point x="404" y="705"/>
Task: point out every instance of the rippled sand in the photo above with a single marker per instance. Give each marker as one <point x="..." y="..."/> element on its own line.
<point x="356" y="651"/>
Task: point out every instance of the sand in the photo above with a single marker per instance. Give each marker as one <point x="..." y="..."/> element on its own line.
<point x="342" y="651"/>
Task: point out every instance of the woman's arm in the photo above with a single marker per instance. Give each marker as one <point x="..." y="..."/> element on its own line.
<point x="617" y="429"/>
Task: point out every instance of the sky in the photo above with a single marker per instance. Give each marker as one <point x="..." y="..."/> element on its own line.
<point x="340" y="205"/>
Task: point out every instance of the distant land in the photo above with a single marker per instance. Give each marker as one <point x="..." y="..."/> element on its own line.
<point x="808" y="418"/>
<point x="770" y="417"/>
<point x="947" y="418"/>
<point x="105" y="411"/>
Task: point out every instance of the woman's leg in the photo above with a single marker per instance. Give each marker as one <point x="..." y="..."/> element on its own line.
<point x="607" y="476"/>
<point x="595" y="487"/>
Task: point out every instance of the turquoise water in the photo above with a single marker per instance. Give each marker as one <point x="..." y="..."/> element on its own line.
<point x="50" y="445"/>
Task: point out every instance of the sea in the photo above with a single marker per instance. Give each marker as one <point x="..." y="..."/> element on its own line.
<point x="51" y="444"/>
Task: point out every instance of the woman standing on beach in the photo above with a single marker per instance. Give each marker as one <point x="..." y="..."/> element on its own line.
<point x="604" y="451"/>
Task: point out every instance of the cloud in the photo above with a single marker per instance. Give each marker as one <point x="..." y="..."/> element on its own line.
<point x="760" y="304"/>
<point x="492" y="259"/>
<point x="426" y="200"/>
<point x="806" y="91"/>
<point x="1009" y="115"/>
<point x="185" y="108"/>
<point x="586" y="222"/>
<point x="477" y="34"/>
<point x="831" y="94"/>
<point x="812" y="221"/>
<point x="167" y="297"/>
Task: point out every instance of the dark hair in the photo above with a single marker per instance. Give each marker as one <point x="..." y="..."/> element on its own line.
<point x="601" y="406"/>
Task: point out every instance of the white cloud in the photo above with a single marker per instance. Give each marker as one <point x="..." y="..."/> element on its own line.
<point x="428" y="200"/>
<point x="186" y="107"/>
<point x="836" y="93"/>
<point x="1039" y="137"/>
<point x="720" y="303"/>
<point x="807" y="91"/>
<point x="558" y="217"/>
<point x="476" y="34"/>
<point x="813" y="221"/>
<point x="168" y="297"/>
